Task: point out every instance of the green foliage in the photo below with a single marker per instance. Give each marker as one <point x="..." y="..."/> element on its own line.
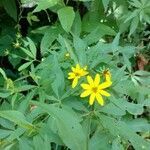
<point x="40" y="40"/>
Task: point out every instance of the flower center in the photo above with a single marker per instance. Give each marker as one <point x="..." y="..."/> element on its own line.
<point x="94" y="89"/>
<point x="106" y="72"/>
<point x="77" y="74"/>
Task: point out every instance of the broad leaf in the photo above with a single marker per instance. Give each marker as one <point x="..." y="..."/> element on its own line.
<point x="66" y="16"/>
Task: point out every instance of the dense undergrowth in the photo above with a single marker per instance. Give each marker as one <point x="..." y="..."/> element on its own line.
<point x="74" y="74"/>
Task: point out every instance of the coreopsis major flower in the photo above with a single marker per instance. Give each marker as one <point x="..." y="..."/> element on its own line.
<point x="76" y="74"/>
<point x="95" y="90"/>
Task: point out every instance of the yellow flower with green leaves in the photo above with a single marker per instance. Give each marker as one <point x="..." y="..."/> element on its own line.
<point x="95" y="90"/>
<point x="76" y="74"/>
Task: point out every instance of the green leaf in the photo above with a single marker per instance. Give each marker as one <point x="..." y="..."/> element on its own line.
<point x="50" y="131"/>
<point x="80" y="47"/>
<point x="132" y="15"/>
<point x="5" y="94"/>
<point x="39" y="143"/>
<point x="66" y="16"/>
<point x="115" y="42"/>
<point x="50" y="35"/>
<point x="16" y="134"/>
<point x="76" y="27"/>
<point x="10" y="7"/>
<point x="44" y="4"/>
<point x="25" y="88"/>
<point x="105" y="4"/>
<point x="66" y="43"/>
<point x="24" y="105"/>
<point x="139" y="125"/>
<point x="3" y="73"/>
<point x="134" y="25"/>
<point x="121" y="129"/>
<point x="32" y="47"/>
<point x="5" y="43"/>
<point x="58" y="84"/>
<point x="16" y="117"/>
<point x="116" y="144"/>
<point x="24" y="66"/>
<point x="4" y="133"/>
<point x="6" y="124"/>
<point x="135" y="109"/>
<point x="100" y="141"/>
<point x="98" y="33"/>
<point x="25" y="143"/>
<point x="113" y="110"/>
<point x="69" y="128"/>
<point x="27" y="52"/>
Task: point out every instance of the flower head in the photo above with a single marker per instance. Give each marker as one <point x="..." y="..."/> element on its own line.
<point x="95" y="90"/>
<point x="67" y="55"/>
<point x="107" y="75"/>
<point x="76" y="74"/>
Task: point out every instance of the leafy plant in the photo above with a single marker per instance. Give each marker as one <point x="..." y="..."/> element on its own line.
<point x="70" y="75"/>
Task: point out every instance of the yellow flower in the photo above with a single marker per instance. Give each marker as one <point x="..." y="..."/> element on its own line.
<point x="76" y="74"/>
<point x="67" y="55"/>
<point x="95" y="89"/>
<point x="107" y="75"/>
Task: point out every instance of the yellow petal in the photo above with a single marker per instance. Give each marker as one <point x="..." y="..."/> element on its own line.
<point x="84" y="73"/>
<point x="85" y="93"/>
<point x="90" y="80"/>
<point x="97" y="80"/>
<point x="85" y="68"/>
<point x="105" y="85"/>
<point x="85" y="86"/>
<point x="92" y="98"/>
<point x="100" y="99"/>
<point x="102" y="92"/>
<point x="78" y="66"/>
<point x="67" y="55"/>
<point x="75" y="82"/>
<point x="108" y="77"/>
<point x="73" y="69"/>
<point x="71" y="75"/>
